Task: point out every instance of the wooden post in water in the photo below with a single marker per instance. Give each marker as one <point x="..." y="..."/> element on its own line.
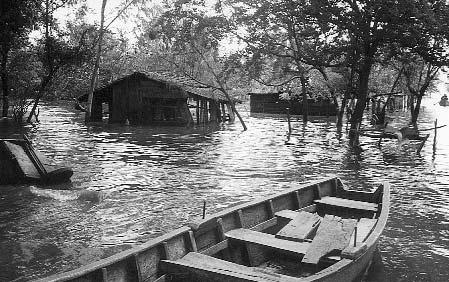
<point x="435" y="137"/>
<point x="204" y="209"/>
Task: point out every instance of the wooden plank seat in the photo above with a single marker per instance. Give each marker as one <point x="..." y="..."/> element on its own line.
<point x="333" y="235"/>
<point x="286" y="214"/>
<point x="206" y="268"/>
<point x="346" y="203"/>
<point x="301" y="227"/>
<point x="268" y="240"/>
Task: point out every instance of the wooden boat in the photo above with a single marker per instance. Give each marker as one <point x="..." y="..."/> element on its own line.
<point x="20" y="162"/>
<point x="316" y="232"/>
<point x="444" y="102"/>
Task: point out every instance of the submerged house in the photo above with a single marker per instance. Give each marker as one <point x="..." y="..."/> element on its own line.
<point x="271" y="103"/>
<point x="158" y="98"/>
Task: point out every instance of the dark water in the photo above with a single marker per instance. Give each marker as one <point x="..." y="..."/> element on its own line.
<point x="149" y="181"/>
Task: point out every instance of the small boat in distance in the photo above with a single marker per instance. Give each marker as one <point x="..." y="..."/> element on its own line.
<point x="444" y="101"/>
<point x="316" y="232"/>
<point x="21" y="163"/>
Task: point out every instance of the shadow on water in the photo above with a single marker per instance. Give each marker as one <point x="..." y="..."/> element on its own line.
<point x="133" y="183"/>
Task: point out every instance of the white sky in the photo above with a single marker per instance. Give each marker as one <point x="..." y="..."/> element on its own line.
<point x="112" y="9"/>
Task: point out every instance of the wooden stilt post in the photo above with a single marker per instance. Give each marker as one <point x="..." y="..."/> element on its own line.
<point x="206" y="111"/>
<point x="213" y="111"/>
<point x="223" y="111"/>
<point x="219" y="116"/>
<point x="231" y="113"/>
<point x="198" y="111"/>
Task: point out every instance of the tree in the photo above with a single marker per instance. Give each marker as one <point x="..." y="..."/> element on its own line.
<point x="55" y="53"/>
<point x="370" y="28"/>
<point x="285" y="43"/>
<point x="94" y="76"/>
<point x="419" y="77"/>
<point x="192" y="37"/>
<point x="16" y="19"/>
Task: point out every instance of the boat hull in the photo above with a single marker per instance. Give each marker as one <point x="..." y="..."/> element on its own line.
<point x="21" y="163"/>
<point x="209" y="237"/>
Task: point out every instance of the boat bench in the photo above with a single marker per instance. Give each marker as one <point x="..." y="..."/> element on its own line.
<point x="346" y="203"/>
<point x="301" y="227"/>
<point x="206" y="268"/>
<point x="269" y="241"/>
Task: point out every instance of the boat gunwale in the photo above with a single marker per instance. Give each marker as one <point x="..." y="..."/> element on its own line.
<point x="197" y="224"/>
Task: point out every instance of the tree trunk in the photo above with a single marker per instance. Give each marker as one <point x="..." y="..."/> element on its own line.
<point x="94" y="77"/>
<point x="340" y="110"/>
<point x="5" y="84"/>
<point x="47" y="79"/>
<point x="48" y="65"/>
<point x="305" y="102"/>
<point x="357" y="115"/>
<point x="415" y="111"/>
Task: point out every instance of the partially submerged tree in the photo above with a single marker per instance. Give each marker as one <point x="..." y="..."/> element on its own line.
<point x="419" y="77"/>
<point x="16" y="20"/>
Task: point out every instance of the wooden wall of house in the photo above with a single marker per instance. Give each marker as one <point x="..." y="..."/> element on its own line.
<point x="268" y="103"/>
<point x="143" y="101"/>
<point x="271" y="104"/>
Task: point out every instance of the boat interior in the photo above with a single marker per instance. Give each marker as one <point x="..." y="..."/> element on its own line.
<point x="291" y="244"/>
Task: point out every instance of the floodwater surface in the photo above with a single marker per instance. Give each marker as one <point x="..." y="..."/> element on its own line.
<point x="132" y="183"/>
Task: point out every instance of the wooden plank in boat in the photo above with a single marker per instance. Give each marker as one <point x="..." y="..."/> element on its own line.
<point x="25" y="164"/>
<point x="333" y="235"/>
<point x="268" y="240"/>
<point x="206" y="268"/>
<point x="364" y="227"/>
<point x="300" y="227"/>
<point x="346" y="203"/>
<point x="286" y="214"/>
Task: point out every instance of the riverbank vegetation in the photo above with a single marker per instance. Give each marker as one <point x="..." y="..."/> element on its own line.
<point x="348" y="51"/>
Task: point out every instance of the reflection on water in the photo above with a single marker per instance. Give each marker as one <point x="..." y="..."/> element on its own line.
<point x="143" y="181"/>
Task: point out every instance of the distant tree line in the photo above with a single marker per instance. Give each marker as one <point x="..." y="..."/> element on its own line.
<point x="342" y="50"/>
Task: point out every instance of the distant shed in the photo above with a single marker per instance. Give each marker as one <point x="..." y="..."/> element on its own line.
<point x="271" y="103"/>
<point x="158" y="99"/>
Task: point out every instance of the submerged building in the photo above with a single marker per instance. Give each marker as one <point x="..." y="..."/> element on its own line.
<point x="271" y="103"/>
<point x="157" y="98"/>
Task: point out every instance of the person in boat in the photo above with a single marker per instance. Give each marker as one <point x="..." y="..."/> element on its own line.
<point x="444" y="98"/>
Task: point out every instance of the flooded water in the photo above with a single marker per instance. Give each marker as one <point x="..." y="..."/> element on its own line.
<point x="143" y="182"/>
